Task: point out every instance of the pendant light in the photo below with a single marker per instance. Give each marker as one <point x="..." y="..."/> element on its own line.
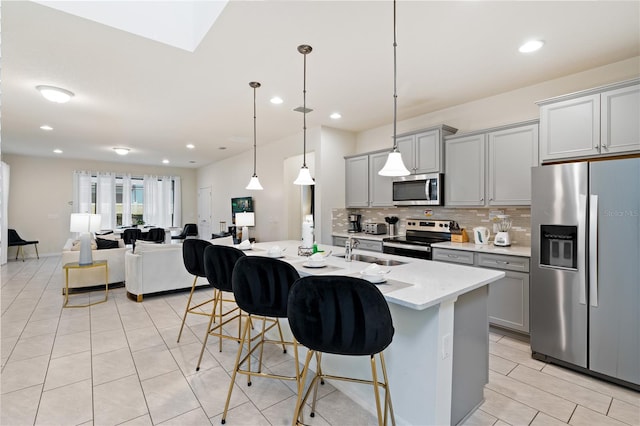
<point x="254" y="183"/>
<point x="304" y="177"/>
<point x="394" y="165"/>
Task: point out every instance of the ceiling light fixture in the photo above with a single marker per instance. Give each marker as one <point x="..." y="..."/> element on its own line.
<point x="276" y="100"/>
<point x="55" y="94"/>
<point x="394" y="165"/>
<point x="121" y="151"/>
<point x="335" y="115"/>
<point x="304" y="177"/>
<point x="190" y="146"/>
<point x="46" y="127"/>
<point x="254" y="183"/>
<point x="165" y="161"/>
<point x="57" y="151"/>
<point x="531" y="46"/>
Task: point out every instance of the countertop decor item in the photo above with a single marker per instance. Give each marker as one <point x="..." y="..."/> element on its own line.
<point x="304" y="177"/>
<point x="254" y="183"/>
<point x="394" y="165"/>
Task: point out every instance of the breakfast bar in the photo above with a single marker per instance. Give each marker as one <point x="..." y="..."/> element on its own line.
<point x="438" y="360"/>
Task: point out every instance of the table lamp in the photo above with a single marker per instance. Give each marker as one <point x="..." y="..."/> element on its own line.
<point x="245" y="220"/>
<point x="85" y="224"/>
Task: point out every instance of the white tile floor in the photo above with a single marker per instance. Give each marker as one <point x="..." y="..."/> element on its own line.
<point x="118" y="363"/>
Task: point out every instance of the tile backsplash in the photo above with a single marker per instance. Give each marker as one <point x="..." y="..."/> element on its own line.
<point x="467" y="218"/>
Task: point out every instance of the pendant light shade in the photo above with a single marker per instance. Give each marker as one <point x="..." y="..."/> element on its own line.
<point x="304" y="177"/>
<point x="394" y="165"/>
<point x="254" y="183"/>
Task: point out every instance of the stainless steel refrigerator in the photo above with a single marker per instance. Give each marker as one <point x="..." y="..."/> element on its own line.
<point x="585" y="260"/>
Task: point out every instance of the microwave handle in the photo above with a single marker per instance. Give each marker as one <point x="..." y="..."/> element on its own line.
<point x="427" y="186"/>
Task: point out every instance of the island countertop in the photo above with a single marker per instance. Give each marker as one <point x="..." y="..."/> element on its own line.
<point x="423" y="283"/>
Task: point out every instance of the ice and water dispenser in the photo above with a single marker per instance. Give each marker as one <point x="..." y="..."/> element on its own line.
<point x="559" y="246"/>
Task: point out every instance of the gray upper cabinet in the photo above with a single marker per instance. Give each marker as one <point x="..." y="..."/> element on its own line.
<point x="364" y="186"/>
<point x="380" y="187"/>
<point x="357" y="181"/>
<point x="491" y="167"/>
<point x="422" y="150"/>
<point x="596" y="122"/>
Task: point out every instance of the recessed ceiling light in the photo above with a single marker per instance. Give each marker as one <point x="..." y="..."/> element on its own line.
<point x="121" y="151"/>
<point x="336" y="115"/>
<point x="276" y="100"/>
<point x="46" y="127"/>
<point x="531" y="46"/>
<point x="55" y="94"/>
<point x="165" y="161"/>
<point x="190" y="146"/>
<point x="57" y="151"/>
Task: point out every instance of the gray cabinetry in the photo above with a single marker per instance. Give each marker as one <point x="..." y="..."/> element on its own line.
<point x="491" y="167"/>
<point x="357" y="181"/>
<point x="422" y="150"/>
<point x="508" y="302"/>
<point x="364" y="187"/>
<point x="596" y="122"/>
<point x="371" y="245"/>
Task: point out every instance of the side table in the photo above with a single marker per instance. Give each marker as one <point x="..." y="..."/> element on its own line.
<point x="75" y="266"/>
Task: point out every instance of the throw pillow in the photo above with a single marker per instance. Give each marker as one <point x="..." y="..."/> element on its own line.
<point x="106" y="244"/>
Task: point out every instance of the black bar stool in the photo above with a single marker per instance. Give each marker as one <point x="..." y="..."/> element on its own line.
<point x="261" y="289"/>
<point x="193" y="257"/>
<point x="219" y="262"/>
<point x="345" y="316"/>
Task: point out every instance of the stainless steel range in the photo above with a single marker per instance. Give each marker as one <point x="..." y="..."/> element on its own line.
<point x="421" y="233"/>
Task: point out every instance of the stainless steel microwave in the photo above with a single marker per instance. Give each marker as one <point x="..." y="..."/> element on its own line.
<point x="419" y="190"/>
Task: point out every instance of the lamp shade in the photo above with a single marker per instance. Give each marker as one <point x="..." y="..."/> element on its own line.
<point x="245" y="219"/>
<point x="85" y="222"/>
<point x="394" y="166"/>
<point x="304" y="177"/>
<point x="254" y="184"/>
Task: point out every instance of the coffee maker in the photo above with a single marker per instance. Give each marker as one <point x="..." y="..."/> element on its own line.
<point x="354" y="223"/>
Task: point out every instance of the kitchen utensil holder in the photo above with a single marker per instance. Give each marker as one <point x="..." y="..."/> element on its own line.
<point x="393" y="231"/>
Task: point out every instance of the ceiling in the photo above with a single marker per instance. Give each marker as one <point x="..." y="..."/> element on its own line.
<point x="155" y="98"/>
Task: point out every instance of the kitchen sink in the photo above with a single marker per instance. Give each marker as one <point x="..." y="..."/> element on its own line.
<point x="372" y="259"/>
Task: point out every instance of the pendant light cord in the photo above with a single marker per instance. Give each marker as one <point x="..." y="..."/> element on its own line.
<point x="254" y="131"/>
<point x="304" y="113"/>
<point x="395" y="91"/>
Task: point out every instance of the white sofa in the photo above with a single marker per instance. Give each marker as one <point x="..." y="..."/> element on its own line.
<point x="92" y="277"/>
<point x="156" y="268"/>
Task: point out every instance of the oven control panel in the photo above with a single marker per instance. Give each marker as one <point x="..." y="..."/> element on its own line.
<point x="431" y="225"/>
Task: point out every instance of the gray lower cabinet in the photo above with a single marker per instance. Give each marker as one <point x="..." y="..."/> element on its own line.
<point x="508" y="302"/>
<point x="371" y="245"/>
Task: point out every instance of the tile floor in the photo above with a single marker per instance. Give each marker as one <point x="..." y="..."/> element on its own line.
<point x="118" y="363"/>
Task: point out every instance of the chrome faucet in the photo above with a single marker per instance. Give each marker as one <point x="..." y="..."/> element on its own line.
<point x="349" y="245"/>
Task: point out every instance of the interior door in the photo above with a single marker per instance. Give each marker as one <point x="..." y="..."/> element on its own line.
<point x="204" y="213"/>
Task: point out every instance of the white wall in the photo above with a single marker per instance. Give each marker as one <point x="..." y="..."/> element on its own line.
<point x="229" y="177"/>
<point x="41" y="189"/>
<point x="506" y="108"/>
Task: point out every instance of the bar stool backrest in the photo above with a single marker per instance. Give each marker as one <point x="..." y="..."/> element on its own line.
<point x="219" y="262"/>
<point x="340" y="315"/>
<point x="261" y="285"/>
<point x="193" y="256"/>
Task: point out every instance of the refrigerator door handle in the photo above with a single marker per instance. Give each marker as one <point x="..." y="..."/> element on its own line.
<point x="593" y="250"/>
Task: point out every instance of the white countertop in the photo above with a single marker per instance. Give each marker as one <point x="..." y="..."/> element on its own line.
<point x="361" y="235"/>
<point x="514" y="250"/>
<point x="429" y="283"/>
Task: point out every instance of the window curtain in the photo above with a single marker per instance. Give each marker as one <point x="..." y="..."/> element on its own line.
<point x="158" y="202"/>
<point x="82" y="192"/>
<point x="177" y="201"/>
<point x="106" y="199"/>
<point x="126" y="200"/>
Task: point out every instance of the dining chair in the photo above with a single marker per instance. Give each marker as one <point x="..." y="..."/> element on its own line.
<point x="189" y="230"/>
<point x="14" y="240"/>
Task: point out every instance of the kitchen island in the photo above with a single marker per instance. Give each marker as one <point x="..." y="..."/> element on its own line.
<point x="438" y="360"/>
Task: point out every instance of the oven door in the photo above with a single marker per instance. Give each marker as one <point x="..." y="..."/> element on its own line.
<point x="408" y="250"/>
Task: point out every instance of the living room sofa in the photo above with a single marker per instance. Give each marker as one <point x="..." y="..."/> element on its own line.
<point x="93" y="277"/>
<point x="155" y="268"/>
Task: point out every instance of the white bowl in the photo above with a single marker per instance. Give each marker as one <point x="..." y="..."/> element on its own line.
<point x="315" y="263"/>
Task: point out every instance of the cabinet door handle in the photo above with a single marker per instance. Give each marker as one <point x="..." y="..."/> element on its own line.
<point x="453" y="256"/>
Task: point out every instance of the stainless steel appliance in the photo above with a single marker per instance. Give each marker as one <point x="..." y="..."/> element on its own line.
<point x="355" y="224"/>
<point x="375" y="228"/>
<point x="417" y="190"/>
<point x="503" y="225"/>
<point x="421" y="233"/>
<point x="585" y="276"/>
